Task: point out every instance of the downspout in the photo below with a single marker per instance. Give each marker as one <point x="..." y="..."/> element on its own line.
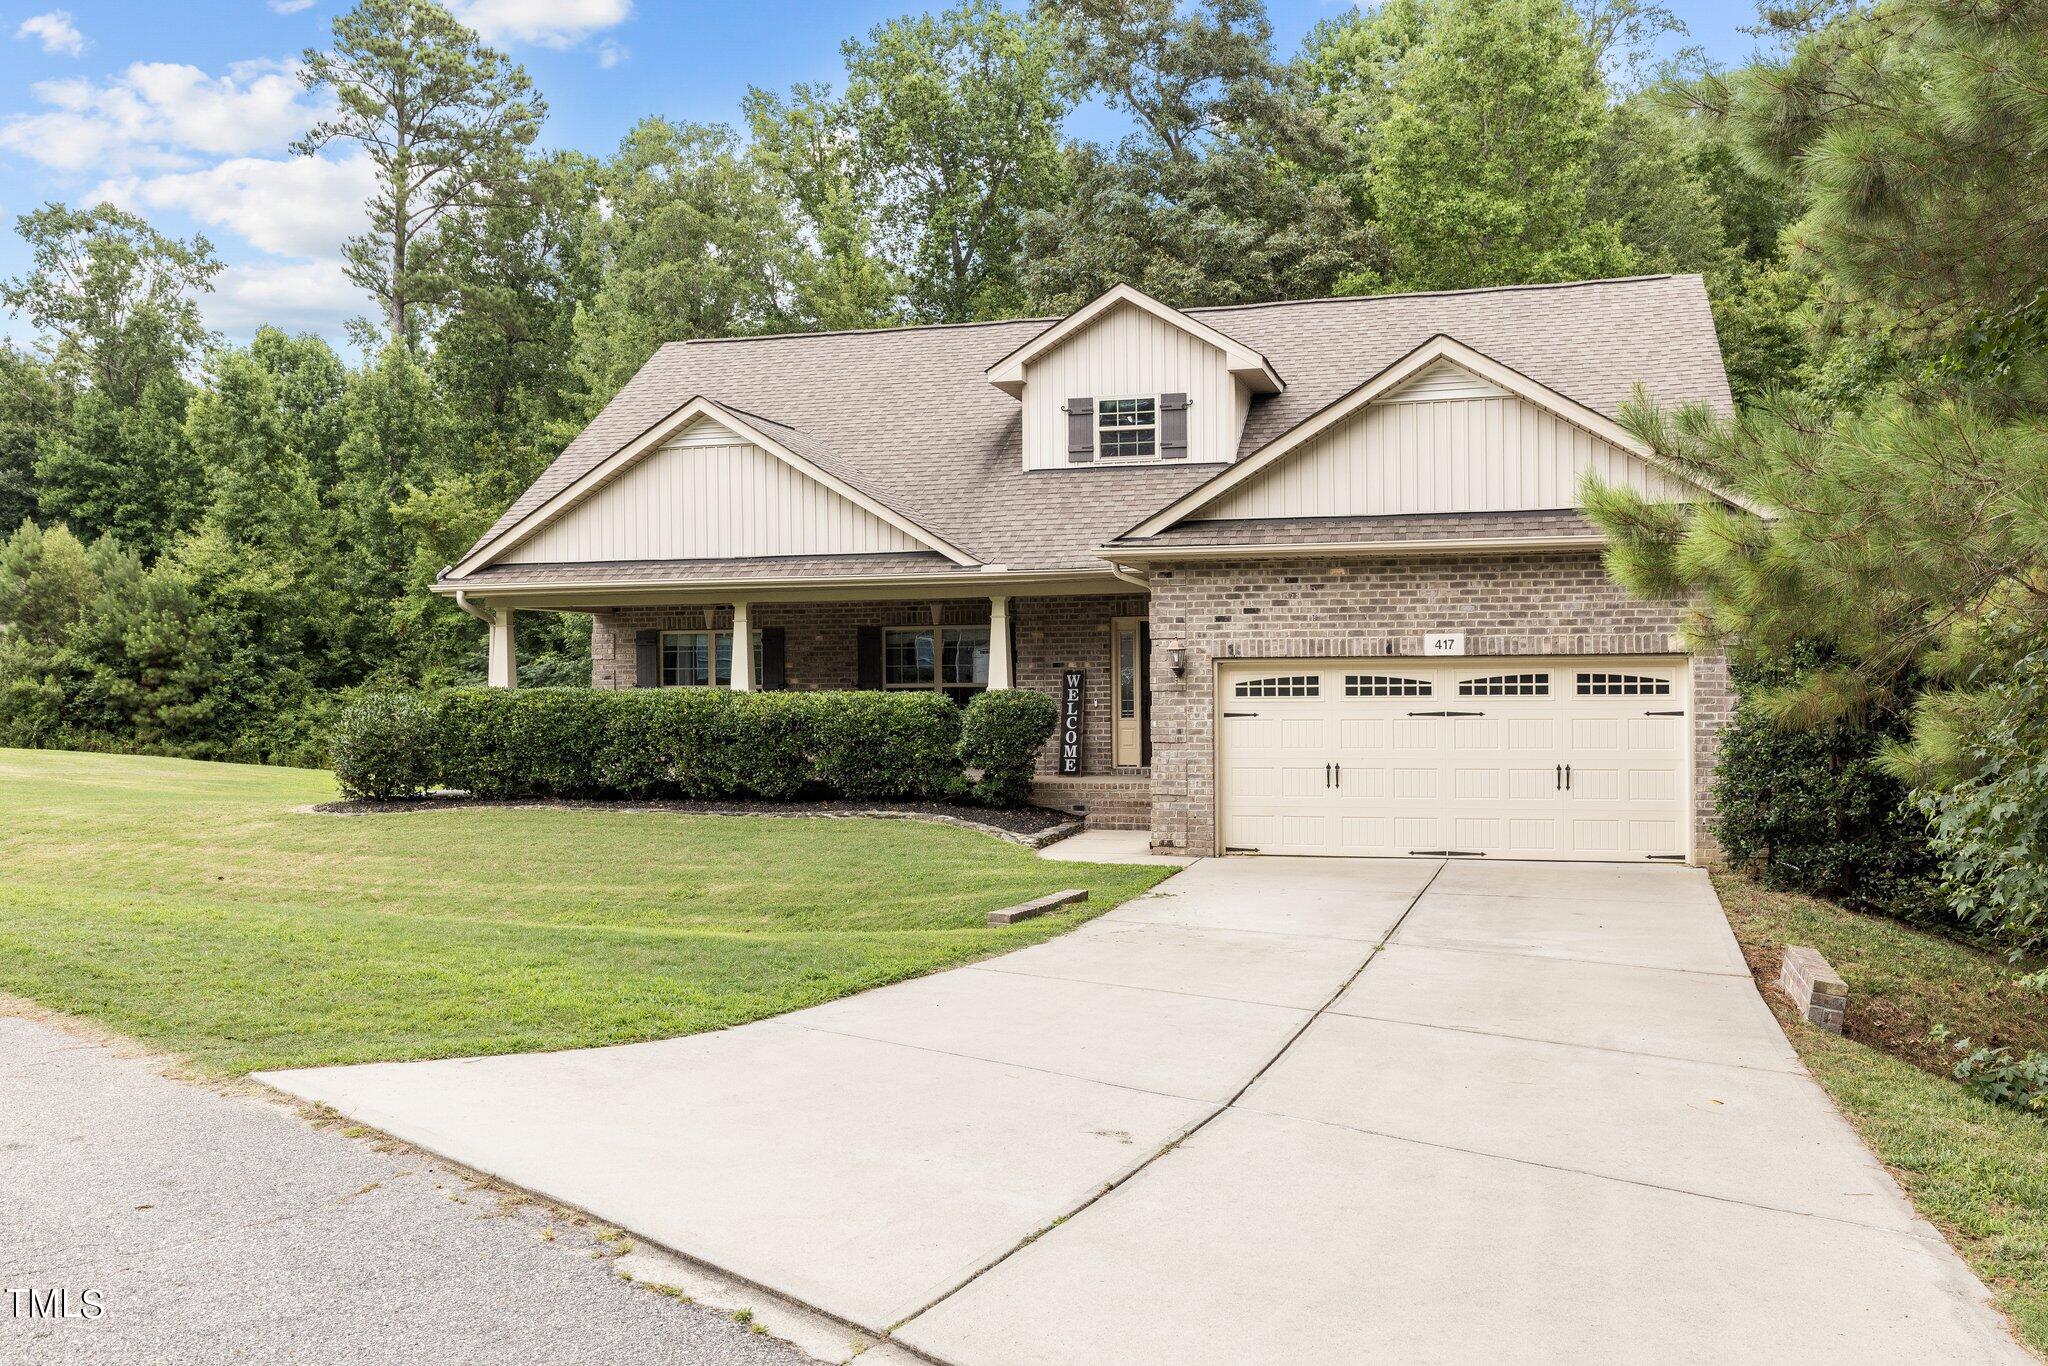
<point x="488" y="618"/>
<point x="1141" y="580"/>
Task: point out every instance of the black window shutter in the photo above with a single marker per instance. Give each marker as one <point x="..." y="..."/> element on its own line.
<point x="772" y="679"/>
<point x="647" y="659"/>
<point x="1080" y="430"/>
<point x="868" y="655"/>
<point x="1173" y="426"/>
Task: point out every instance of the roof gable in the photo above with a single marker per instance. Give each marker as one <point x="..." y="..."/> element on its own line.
<point x="765" y="475"/>
<point x="1441" y="369"/>
<point x="1242" y="361"/>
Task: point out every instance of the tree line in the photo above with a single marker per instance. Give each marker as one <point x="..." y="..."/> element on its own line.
<point x="210" y="542"/>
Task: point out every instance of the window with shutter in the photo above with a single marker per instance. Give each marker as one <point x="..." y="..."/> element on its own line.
<point x="1173" y="426"/>
<point x="1080" y="430"/>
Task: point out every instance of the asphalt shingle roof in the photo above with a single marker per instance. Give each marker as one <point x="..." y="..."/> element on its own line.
<point x="908" y="416"/>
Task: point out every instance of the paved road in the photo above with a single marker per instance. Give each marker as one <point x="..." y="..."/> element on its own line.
<point x="221" y="1229"/>
<point x="1279" y="1111"/>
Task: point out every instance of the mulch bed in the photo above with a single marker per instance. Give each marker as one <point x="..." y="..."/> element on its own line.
<point x="1026" y="822"/>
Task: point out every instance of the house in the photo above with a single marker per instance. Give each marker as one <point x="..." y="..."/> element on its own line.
<point x="1315" y="570"/>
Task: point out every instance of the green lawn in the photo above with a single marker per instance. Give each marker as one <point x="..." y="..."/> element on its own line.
<point x="1978" y="1171"/>
<point x="191" y="905"/>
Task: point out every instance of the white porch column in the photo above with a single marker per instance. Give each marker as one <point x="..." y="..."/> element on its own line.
<point x="742" y="649"/>
<point x="999" y="677"/>
<point x="504" y="650"/>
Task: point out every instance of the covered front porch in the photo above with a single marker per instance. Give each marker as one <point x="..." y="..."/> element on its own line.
<point x="950" y="637"/>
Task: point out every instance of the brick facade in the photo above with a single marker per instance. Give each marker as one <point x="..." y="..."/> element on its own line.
<point x="1522" y="603"/>
<point x="1525" y="603"/>
<point x="1052" y="635"/>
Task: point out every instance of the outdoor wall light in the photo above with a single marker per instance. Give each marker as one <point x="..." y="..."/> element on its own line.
<point x="1177" y="659"/>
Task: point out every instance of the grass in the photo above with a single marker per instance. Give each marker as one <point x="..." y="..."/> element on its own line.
<point x="194" y="906"/>
<point x="1977" y="1171"/>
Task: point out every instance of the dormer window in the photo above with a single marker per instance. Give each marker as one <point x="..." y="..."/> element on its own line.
<point x="1127" y="428"/>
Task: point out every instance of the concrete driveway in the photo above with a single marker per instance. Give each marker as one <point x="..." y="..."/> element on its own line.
<point x="1277" y="1111"/>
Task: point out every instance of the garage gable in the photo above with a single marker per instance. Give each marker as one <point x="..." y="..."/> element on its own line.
<point x="1444" y="430"/>
<point x="1449" y="442"/>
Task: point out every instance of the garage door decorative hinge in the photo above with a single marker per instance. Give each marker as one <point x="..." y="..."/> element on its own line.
<point x="1663" y="713"/>
<point x="1446" y="853"/>
<point x="1240" y="849"/>
<point x="1447" y="713"/>
<point x="1668" y="858"/>
<point x="1227" y="715"/>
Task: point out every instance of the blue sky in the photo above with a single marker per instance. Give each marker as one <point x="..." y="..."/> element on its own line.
<point x="184" y="111"/>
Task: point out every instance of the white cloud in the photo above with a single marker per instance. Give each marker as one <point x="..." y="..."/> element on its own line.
<point x="610" y="53"/>
<point x="56" y="32"/>
<point x="301" y="206"/>
<point x="551" y="23"/>
<point x="299" y="296"/>
<point x="290" y="6"/>
<point x="155" y="115"/>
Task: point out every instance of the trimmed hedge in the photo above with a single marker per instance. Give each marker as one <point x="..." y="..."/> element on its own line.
<point x="1001" y="736"/>
<point x="383" y="746"/>
<point x="693" y="743"/>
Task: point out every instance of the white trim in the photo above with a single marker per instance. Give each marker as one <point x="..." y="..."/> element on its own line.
<point x="1244" y="363"/>
<point x="1439" y="347"/>
<point x="1437" y="545"/>
<point x="1121" y="460"/>
<point x="653" y="439"/>
<point x="821" y="588"/>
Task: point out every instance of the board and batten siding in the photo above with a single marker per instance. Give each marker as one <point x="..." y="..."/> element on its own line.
<point x="707" y="494"/>
<point x="1422" y="454"/>
<point x="1128" y="353"/>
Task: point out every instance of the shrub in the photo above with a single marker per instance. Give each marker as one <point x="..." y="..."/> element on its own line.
<point x="696" y="743"/>
<point x="526" y="742"/>
<point x="882" y="745"/>
<point x="381" y="746"/>
<point x="704" y="742"/>
<point x="1997" y="1076"/>
<point x="1991" y="829"/>
<point x="1811" y="811"/>
<point x="1001" y="735"/>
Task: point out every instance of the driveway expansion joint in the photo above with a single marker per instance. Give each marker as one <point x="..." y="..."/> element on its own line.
<point x="1372" y="949"/>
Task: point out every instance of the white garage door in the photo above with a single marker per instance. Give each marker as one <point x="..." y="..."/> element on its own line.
<point x="1523" y="759"/>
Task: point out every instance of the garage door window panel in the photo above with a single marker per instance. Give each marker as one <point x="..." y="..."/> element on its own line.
<point x="1506" y="685"/>
<point x="1289" y="685"/>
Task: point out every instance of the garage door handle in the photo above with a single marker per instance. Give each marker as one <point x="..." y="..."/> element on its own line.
<point x="1447" y="713"/>
<point x="1326" y="775"/>
<point x="1567" y="777"/>
<point x="1340" y="775"/>
<point x="1560" y="777"/>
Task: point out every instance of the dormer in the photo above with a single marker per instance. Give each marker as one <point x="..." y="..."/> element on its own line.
<point x="1125" y="380"/>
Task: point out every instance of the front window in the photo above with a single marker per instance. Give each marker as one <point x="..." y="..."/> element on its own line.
<point x="952" y="659"/>
<point x="1127" y="428"/>
<point x="701" y="659"/>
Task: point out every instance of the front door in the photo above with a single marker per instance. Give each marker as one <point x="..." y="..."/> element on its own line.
<point x="1127" y="683"/>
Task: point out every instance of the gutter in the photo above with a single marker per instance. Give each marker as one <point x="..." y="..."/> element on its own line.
<point x="976" y="579"/>
<point x="1434" y="546"/>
